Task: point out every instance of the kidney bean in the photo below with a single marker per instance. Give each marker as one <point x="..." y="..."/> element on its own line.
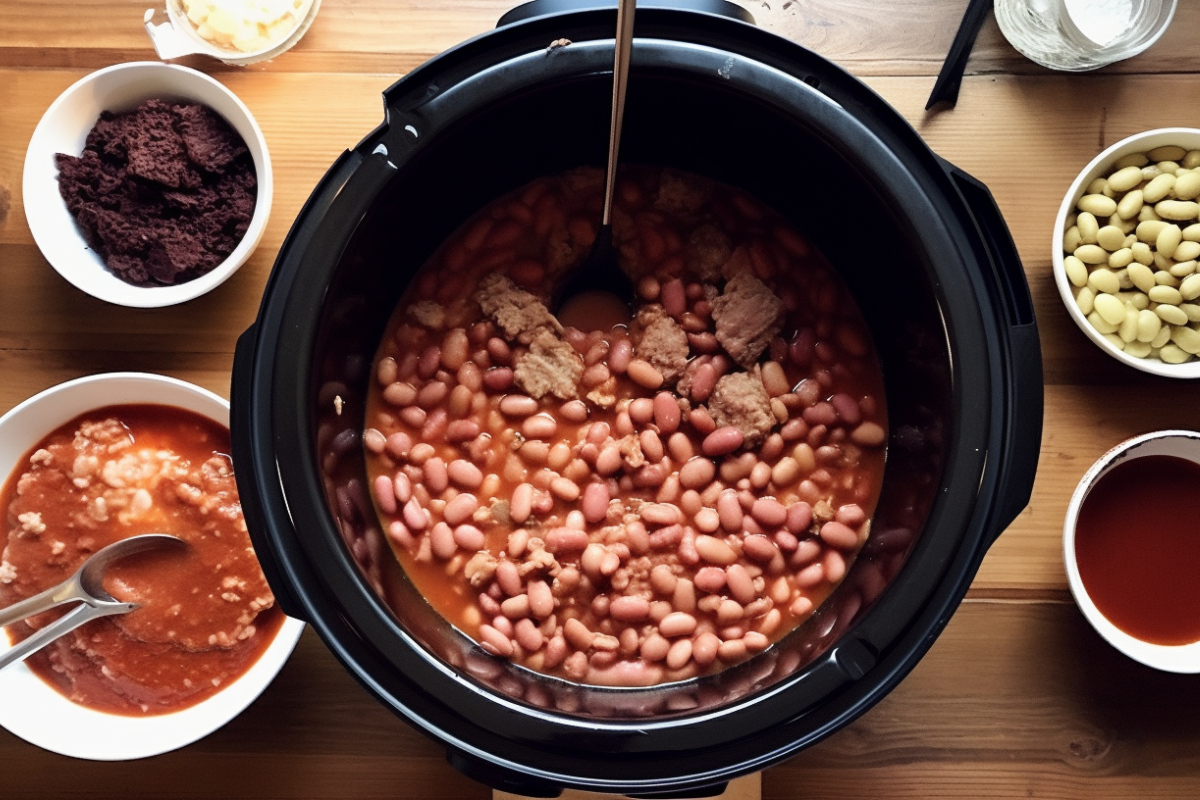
<point x="402" y="486"/>
<point x="609" y="461"/>
<point x="654" y="648"/>
<point x="661" y="514"/>
<point x="677" y="623"/>
<point x="722" y="441"/>
<point x="564" y="489"/>
<point x="595" y="502"/>
<point x="785" y="472"/>
<point x="710" y="579"/>
<point x="415" y="517"/>
<point x="436" y="479"/>
<point x="851" y="515"/>
<point x="644" y="374"/>
<point x="674" y="298"/>
<point x="663" y="580"/>
<point x="528" y="636"/>
<point x="822" y="413"/>
<point x="574" y="411"/>
<point x="651" y="445"/>
<point x="810" y="576"/>
<point x="715" y="550"/>
<point x="441" y="538"/>
<point x="518" y="405"/>
<point x="835" y="566"/>
<point x="704" y="380"/>
<point x="707" y="520"/>
<point x="435" y="425"/>
<point x="679" y="447"/>
<point x="741" y="584"/>
<point x="650" y="476"/>
<point x="786" y="541"/>
<point x="464" y="474"/>
<point x="805" y="457"/>
<point x="540" y="426"/>
<point x="541" y="599"/>
<point x="498" y="379"/>
<point x="460" y="508"/>
<point x="461" y="430"/>
<point x="624" y="424"/>
<point x="799" y="517"/>
<point x="728" y="612"/>
<point x="679" y="654"/>
<point x="868" y="434"/>
<point x="384" y="495"/>
<point x="578" y="634"/>
<point x="515" y="607"/>
<point x="641" y="411"/>
<point x="769" y="512"/>
<point x="629" y="608"/>
<point x="730" y="511"/>
<point x="760" y="476"/>
<point x="469" y="538"/>
<point x="400" y="394"/>
<point x="399" y="533"/>
<point x="759" y="548"/>
<point x="565" y="540"/>
<point x="495" y="642"/>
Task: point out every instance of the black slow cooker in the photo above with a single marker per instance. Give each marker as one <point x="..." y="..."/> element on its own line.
<point x="920" y="243"/>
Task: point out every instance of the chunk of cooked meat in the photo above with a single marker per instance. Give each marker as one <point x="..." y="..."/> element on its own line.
<point x="747" y="316"/>
<point x="551" y="366"/>
<point x="662" y="342"/>
<point x="517" y="312"/>
<point x="741" y="400"/>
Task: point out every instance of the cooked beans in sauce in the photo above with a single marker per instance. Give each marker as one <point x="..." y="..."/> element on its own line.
<point x="627" y="501"/>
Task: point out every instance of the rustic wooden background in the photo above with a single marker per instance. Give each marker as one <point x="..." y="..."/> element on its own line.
<point x="1018" y="697"/>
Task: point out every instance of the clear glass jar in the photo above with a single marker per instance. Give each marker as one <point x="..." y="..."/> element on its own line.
<point x="1079" y="35"/>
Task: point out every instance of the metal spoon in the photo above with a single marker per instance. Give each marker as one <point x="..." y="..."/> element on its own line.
<point x="599" y="273"/>
<point x="85" y="587"/>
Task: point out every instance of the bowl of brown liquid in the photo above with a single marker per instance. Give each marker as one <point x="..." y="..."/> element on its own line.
<point x="1132" y="556"/>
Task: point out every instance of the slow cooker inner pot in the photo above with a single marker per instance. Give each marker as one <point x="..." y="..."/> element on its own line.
<point x="703" y="127"/>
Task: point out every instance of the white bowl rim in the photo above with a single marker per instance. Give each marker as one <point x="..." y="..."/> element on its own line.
<point x="1169" y="658"/>
<point x="37" y="713"/>
<point x="1145" y="140"/>
<point x="47" y="232"/>
<point x="238" y="58"/>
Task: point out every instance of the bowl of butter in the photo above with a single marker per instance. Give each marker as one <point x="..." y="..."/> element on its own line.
<point x="237" y="32"/>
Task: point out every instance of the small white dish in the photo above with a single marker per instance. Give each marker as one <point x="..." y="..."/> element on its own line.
<point x="1100" y="166"/>
<point x="64" y="129"/>
<point x="29" y="707"/>
<point x="174" y="35"/>
<point x="1169" y="658"/>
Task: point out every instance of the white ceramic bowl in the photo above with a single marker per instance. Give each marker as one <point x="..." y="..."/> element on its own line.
<point x="29" y="707"/>
<point x="1179" y="443"/>
<point x="177" y="36"/>
<point x="1100" y="166"/>
<point x="64" y="129"/>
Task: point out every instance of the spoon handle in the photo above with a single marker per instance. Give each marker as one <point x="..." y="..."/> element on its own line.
<point x="73" y="619"/>
<point x="624" y="43"/>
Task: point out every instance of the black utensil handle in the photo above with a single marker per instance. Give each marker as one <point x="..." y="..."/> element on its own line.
<point x="1023" y="379"/>
<point x="945" y="88"/>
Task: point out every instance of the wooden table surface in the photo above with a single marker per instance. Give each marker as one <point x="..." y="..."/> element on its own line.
<point x="1018" y="697"/>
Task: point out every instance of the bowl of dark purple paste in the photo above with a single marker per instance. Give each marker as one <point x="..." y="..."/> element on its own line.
<point x="147" y="184"/>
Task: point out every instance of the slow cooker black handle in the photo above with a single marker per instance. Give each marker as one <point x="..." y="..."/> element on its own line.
<point x="1023" y="427"/>
<point x="248" y="490"/>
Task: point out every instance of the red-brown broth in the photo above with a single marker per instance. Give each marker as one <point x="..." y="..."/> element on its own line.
<point x="205" y="614"/>
<point x="615" y="534"/>
<point x="1138" y="555"/>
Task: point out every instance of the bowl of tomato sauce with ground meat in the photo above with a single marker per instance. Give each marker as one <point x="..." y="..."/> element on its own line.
<point x="96" y="460"/>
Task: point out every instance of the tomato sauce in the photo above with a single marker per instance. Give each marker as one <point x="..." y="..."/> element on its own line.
<point x="205" y="613"/>
<point x="1138" y="548"/>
